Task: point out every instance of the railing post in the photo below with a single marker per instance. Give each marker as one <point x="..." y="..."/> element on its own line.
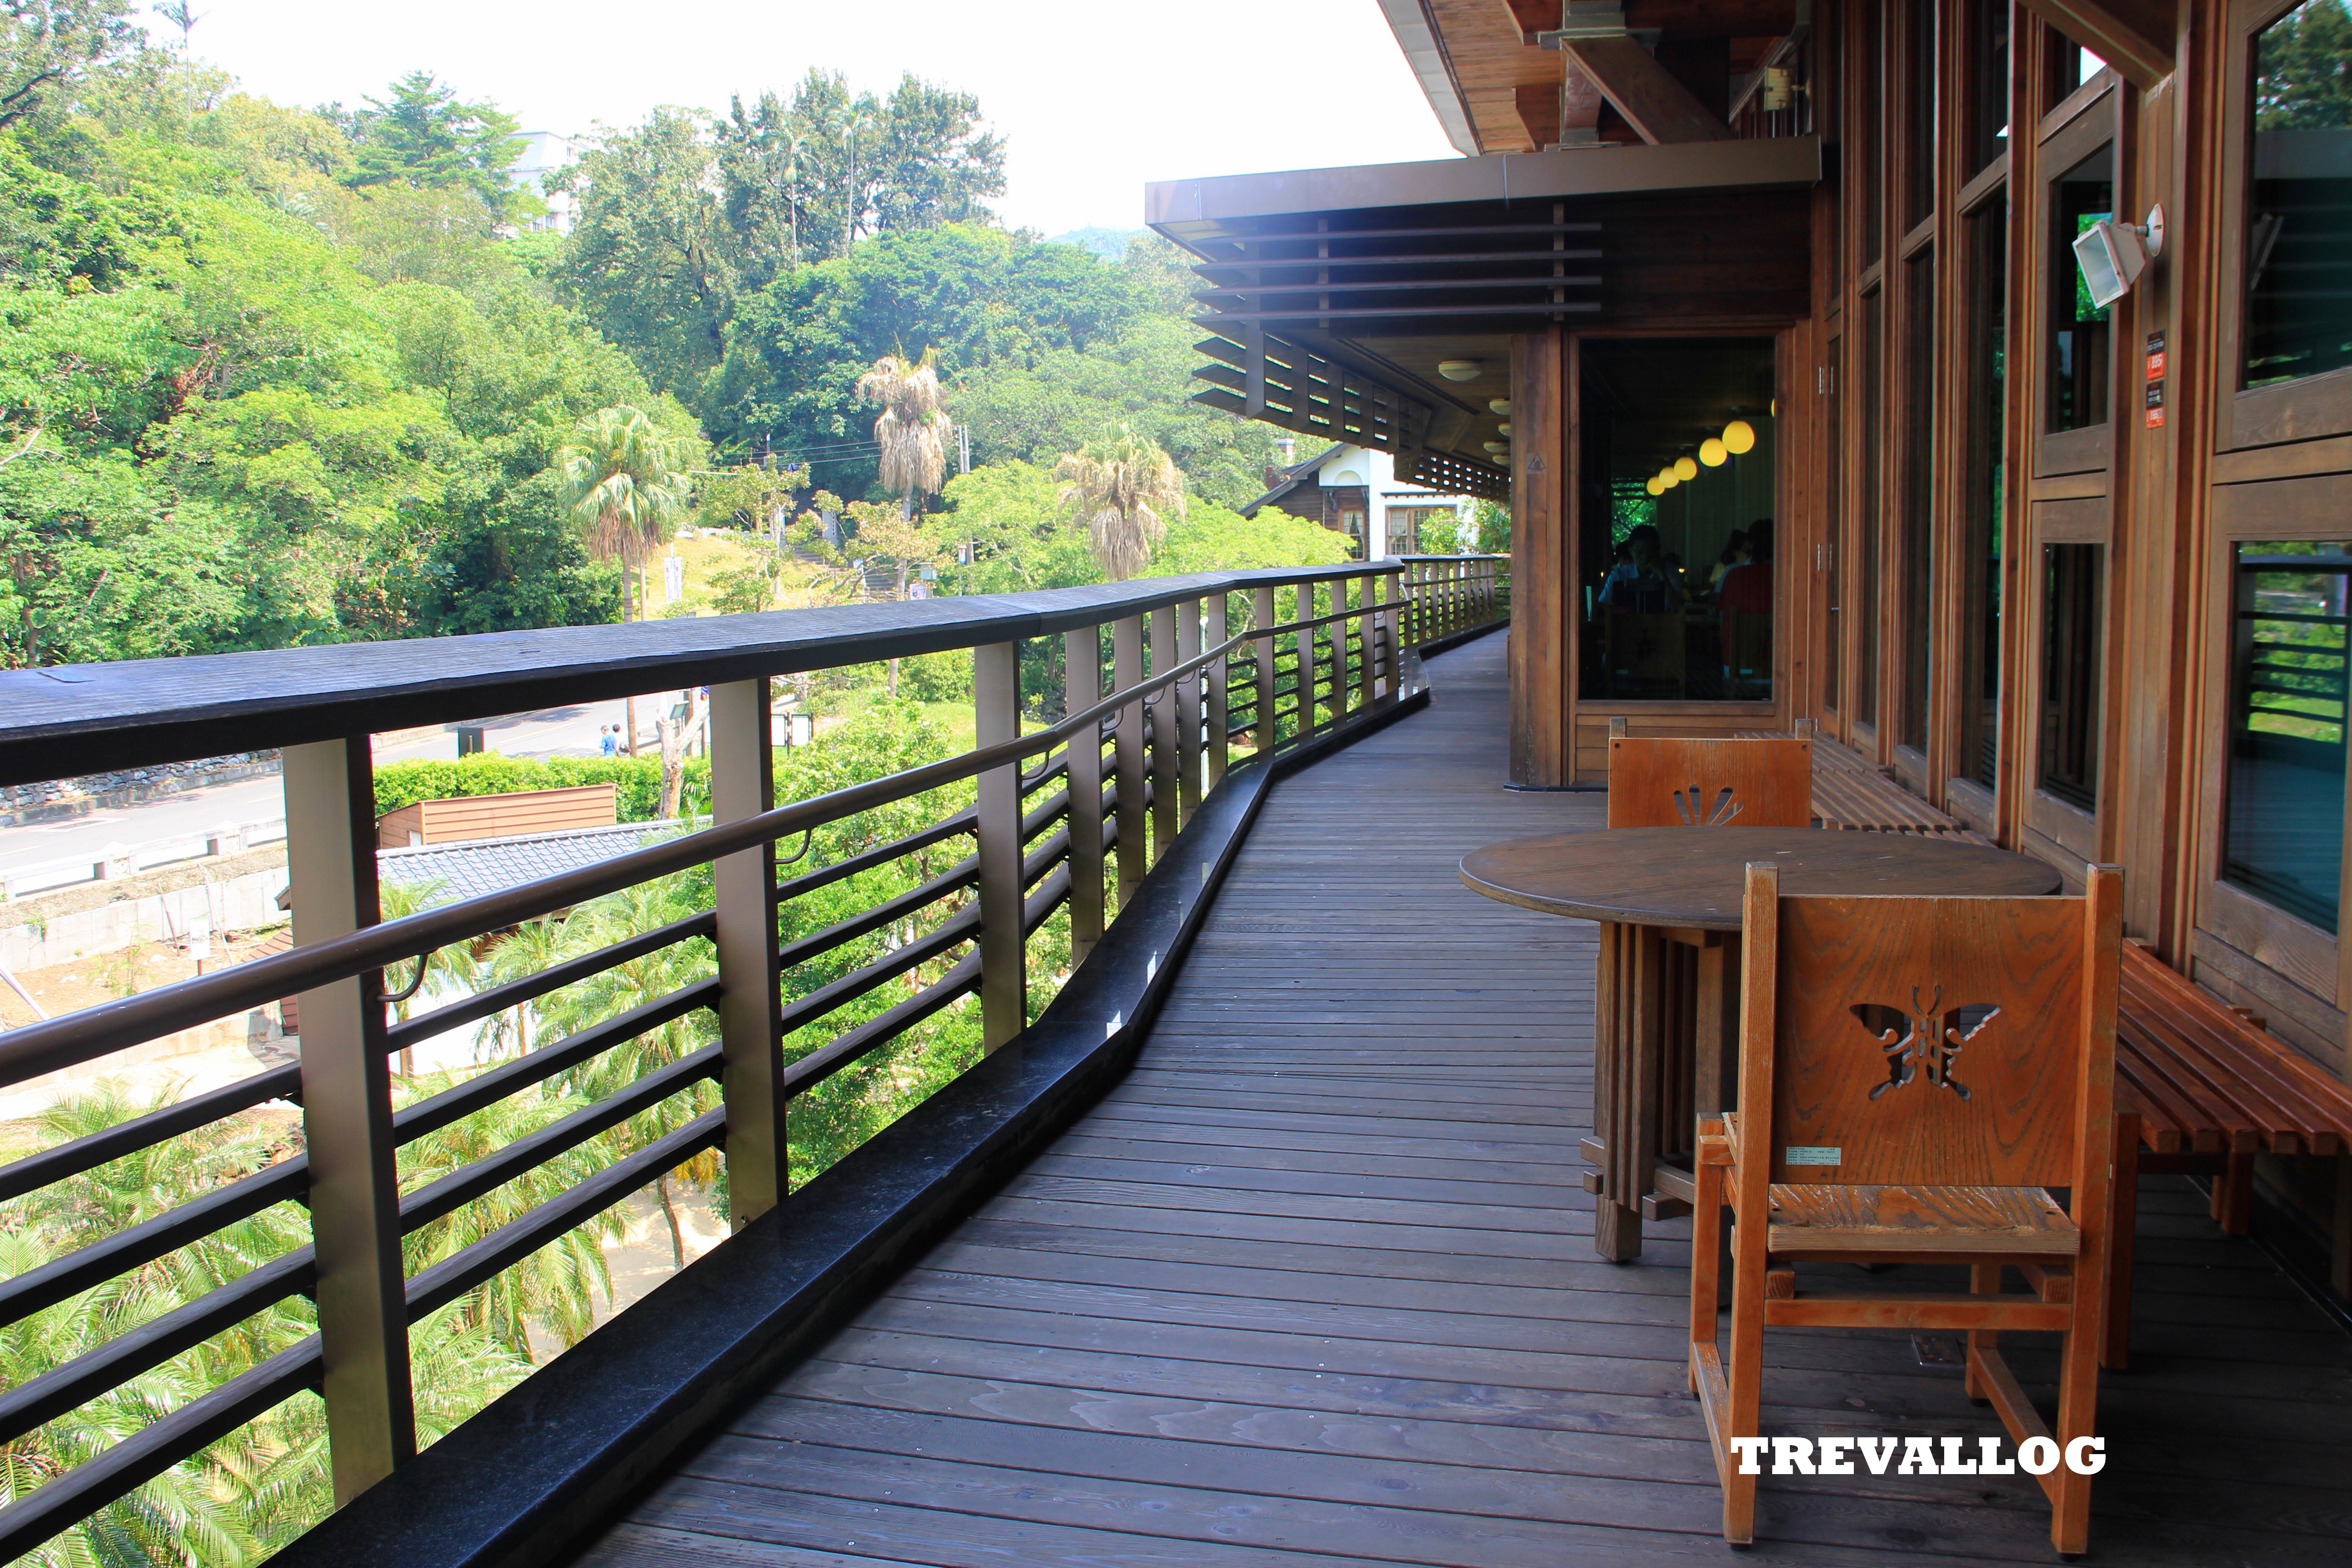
<point x="1214" y="633"/>
<point x="1082" y="667"/>
<point x="1305" y="638"/>
<point x="744" y="885"/>
<point x="1004" y="945"/>
<point x="1127" y="671"/>
<point x="1187" y="702"/>
<point x="1167" y="792"/>
<point x="1367" y="593"/>
<point x="1262" y="613"/>
<point x="354" y="1191"/>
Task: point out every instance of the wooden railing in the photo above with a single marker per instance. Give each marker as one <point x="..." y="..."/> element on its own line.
<point x="1453" y="596"/>
<point x="1169" y="683"/>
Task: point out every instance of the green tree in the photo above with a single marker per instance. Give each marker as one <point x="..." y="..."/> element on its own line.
<point x="1121" y="489"/>
<point x="977" y="296"/>
<point x="424" y="136"/>
<point x="911" y="430"/>
<point x="626" y="491"/>
<point x="47" y="45"/>
<point x="648" y="260"/>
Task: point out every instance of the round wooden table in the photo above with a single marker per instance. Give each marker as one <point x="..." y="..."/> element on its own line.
<point x="1665" y="1050"/>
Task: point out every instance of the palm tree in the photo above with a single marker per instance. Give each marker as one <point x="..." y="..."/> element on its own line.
<point x="625" y="488"/>
<point x="1122" y="488"/>
<point x="912" y="428"/>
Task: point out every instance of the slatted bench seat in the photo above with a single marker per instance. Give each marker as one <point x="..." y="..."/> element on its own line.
<point x="2201" y="1088"/>
<point x="1848" y="792"/>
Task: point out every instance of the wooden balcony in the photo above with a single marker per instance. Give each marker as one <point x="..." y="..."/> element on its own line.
<point x="1314" y="1285"/>
<point x="1312" y="1281"/>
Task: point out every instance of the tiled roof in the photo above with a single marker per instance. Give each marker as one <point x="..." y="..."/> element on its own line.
<point x="1294" y="473"/>
<point x="470" y="868"/>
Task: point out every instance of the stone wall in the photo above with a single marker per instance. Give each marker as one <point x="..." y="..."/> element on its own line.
<point x="55" y="800"/>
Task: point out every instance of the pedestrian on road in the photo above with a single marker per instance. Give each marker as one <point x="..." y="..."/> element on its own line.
<point x="608" y="740"/>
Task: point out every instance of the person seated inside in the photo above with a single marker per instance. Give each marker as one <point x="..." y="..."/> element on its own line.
<point x="1638" y="584"/>
<point x="1747" y="587"/>
<point x="1735" y="554"/>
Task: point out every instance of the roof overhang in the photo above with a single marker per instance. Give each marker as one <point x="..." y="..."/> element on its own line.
<point x="1333" y="294"/>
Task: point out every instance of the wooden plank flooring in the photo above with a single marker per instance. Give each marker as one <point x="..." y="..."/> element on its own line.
<point x="1315" y="1286"/>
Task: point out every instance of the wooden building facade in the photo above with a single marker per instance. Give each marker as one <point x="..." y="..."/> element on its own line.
<point x="2074" y="569"/>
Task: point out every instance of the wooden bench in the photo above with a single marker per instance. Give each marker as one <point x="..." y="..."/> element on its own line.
<point x="1851" y="794"/>
<point x="2202" y="1088"/>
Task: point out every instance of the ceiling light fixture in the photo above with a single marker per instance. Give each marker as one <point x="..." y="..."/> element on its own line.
<point x="1654" y="485"/>
<point x="1713" y="453"/>
<point x="1684" y="468"/>
<point x="1501" y="405"/>
<point x="1459" y="369"/>
<point x="1738" y="437"/>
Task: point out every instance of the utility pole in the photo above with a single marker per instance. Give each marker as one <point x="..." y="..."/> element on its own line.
<point x="964" y="448"/>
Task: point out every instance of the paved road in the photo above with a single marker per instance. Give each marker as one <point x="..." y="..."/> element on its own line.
<point x="551" y="731"/>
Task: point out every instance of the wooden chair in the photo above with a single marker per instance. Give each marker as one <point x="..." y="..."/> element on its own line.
<point x="1748" y="655"/>
<point x="1659" y="781"/>
<point x="1645" y="655"/>
<point x="1914" y="1074"/>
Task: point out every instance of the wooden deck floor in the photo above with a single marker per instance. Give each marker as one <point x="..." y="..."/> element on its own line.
<point x="1314" y="1286"/>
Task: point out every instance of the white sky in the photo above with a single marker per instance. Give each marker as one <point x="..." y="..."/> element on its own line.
<point x="1095" y="97"/>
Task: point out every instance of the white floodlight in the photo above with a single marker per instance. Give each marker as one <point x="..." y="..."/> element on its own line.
<point x="2113" y="255"/>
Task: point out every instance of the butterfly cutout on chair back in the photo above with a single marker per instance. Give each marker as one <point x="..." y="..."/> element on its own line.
<point x="1923" y="1044"/>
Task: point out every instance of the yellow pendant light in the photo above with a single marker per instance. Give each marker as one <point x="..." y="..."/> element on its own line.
<point x="1714" y="453"/>
<point x="1739" y="437"/>
<point x="1684" y="468"/>
<point x="1654" y="485"/>
<point x="1668" y="479"/>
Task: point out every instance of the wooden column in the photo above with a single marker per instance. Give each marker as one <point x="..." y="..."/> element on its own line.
<point x="1082" y="665"/>
<point x="1543" y="629"/>
<point x="1214" y="610"/>
<point x="1167" y="791"/>
<point x="1366" y="588"/>
<point x="1305" y="611"/>
<point x="742" y="784"/>
<point x="1186" y="701"/>
<point x="1127" y="670"/>
<point x="354" y="1195"/>
<point x="1004" y="953"/>
<point x="1261" y="616"/>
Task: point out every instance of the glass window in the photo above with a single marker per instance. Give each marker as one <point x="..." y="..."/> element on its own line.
<point x="1862" y="588"/>
<point x="1986" y="260"/>
<point x="1919" y="113"/>
<point x="1865" y="138"/>
<point x="2072" y="610"/>
<point x="2071" y="66"/>
<point x="1988" y="82"/>
<point x="1673" y="528"/>
<point x="2299" y="227"/>
<point x="2080" y="197"/>
<point x="1918" y="494"/>
<point x="2282" y="833"/>
<point x="1833" y="654"/>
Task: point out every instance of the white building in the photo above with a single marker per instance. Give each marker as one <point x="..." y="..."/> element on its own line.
<point x="1355" y="491"/>
<point x="543" y="152"/>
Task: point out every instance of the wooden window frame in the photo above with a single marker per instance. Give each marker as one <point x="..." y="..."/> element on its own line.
<point x="2296" y="410"/>
<point x="2087" y="520"/>
<point x="2074" y="132"/>
<point x="2313" y="506"/>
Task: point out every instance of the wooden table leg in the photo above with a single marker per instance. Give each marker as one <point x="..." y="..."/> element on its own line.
<point x="1624" y="1089"/>
<point x="1715" y="1086"/>
<point x="2123" y="1217"/>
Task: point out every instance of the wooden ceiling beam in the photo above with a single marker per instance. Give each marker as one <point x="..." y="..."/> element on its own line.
<point x="1538" y="110"/>
<point x="2136" y="37"/>
<point x="1654" y="103"/>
